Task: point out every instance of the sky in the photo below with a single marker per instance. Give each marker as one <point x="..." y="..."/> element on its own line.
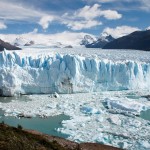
<point x="115" y="17"/>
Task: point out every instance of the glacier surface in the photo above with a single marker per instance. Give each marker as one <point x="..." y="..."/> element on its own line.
<point x="49" y="71"/>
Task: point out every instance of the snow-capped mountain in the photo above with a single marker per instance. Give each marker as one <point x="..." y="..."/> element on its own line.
<point x="87" y="39"/>
<point x="79" y="41"/>
<point x="29" y="43"/>
<point x="64" y="40"/>
<point x="20" y="41"/>
<point x="101" y="41"/>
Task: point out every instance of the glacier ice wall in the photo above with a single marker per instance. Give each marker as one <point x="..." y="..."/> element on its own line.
<point x="20" y="74"/>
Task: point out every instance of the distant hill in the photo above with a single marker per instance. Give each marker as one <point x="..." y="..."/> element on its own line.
<point x="139" y="40"/>
<point x="5" y="45"/>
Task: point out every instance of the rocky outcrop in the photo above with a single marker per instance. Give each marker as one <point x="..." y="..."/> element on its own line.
<point x="7" y="46"/>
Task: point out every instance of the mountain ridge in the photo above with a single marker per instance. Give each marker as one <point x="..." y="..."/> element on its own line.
<point x="7" y="46"/>
<point x="139" y="40"/>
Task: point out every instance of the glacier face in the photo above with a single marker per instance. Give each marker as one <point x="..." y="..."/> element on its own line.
<point x="27" y="73"/>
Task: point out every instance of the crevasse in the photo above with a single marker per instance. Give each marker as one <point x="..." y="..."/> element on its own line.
<point x="21" y="74"/>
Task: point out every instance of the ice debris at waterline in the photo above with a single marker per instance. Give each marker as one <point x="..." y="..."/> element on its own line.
<point x="90" y="120"/>
<point x="25" y="73"/>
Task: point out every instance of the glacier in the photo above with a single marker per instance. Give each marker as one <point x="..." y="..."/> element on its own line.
<point x="44" y="72"/>
<point x="102" y="91"/>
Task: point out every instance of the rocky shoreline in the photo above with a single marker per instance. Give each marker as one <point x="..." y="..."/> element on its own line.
<point x="20" y="139"/>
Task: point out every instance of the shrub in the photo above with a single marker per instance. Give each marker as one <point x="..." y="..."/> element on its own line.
<point x="20" y="127"/>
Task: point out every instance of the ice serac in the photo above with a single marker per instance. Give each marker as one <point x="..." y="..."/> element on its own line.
<point x="62" y="73"/>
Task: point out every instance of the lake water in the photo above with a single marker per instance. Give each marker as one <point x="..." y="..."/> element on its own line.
<point x="45" y="125"/>
<point x="146" y="115"/>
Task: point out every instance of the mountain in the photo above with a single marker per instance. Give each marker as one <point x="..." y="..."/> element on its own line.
<point x="30" y="43"/>
<point x="139" y="40"/>
<point x="100" y="42"/>
<point x="87" y="39"/>
<point x="5" y="45"/>
<point x="20" y="41"/>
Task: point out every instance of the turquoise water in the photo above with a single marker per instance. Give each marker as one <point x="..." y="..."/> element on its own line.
<point x="45" y="125"/>
<point x="146" y="115"/>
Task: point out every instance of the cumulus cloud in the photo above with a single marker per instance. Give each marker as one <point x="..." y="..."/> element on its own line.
<point x="83" y="18"/>
<point x="85" y="24"/>
<point x="92" y="12"/>
<point x="88" y="12"/>
<point x="45" y="21"/>
<point x="120" y="31"/>
<point x="17" y="12"/>
<point x="2" y="25"/>
<point x="87" y="17"/>
<point x="111" y="14"/>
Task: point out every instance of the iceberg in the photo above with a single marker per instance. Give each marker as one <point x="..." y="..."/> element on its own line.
<point x="27" y="73"/>
<point x="125" y="107"/>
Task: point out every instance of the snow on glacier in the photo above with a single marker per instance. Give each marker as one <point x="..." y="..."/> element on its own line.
<point x="50" y="71"/>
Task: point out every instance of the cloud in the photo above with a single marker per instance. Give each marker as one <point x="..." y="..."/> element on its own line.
<point x="148" y="28"/>
<point x="21" y="12"/>
<point x="88" y="16"/>
<point x="35" y="31"/>
<point x="88" y="12"/>
<point x="120" y="31"/>
<point x="85" y="24"/>
<point x="92" y="12"/>
<point x="45" y="21"/>
<point x="124" y="4"/>
<point x="83" y="18"/>
<point x="111" y="14"/>
<point x="145" y="5"/>
<point x="100" y="1"/>
<point x="18" y="12"/>
<point x="2" y="25"/>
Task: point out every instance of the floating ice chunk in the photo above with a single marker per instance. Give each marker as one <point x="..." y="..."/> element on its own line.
<point x="114" y="119"/>
<point x="56" y="95"/>
<point x="125" y="106"/>
<point x="89" y="110"/>
<point x="145" y="144"/>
